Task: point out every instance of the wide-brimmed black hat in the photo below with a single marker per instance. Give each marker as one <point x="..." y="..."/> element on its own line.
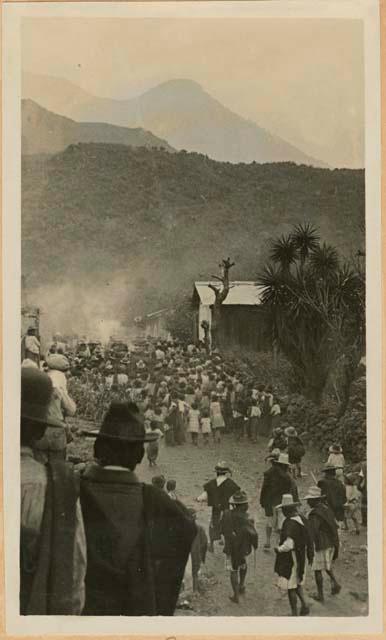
<point x="36" y="393"/>
<point x="124" y="422"/>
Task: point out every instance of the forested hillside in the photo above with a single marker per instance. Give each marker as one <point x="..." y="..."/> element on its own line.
<point x="163" y="220"/>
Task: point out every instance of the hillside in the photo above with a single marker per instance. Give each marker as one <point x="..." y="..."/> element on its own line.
<point x="155" y="221"/>
<point x="179" y="111"/>
<point x="47" y="132"/>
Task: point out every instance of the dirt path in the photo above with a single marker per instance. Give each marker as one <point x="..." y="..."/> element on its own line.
<point x="191" y="467"/>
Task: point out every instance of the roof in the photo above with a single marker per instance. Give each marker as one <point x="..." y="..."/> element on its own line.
<point x="242" y="292"/>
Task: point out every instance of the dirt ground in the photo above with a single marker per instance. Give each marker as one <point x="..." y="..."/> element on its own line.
<point x="191" y="467"/>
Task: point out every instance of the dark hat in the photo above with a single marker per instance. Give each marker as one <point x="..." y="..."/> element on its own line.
<point x="36" y="393"/>
<point x="240" y="497"/>
<point x="124" y="422"/>
<point x="331" y="467"/>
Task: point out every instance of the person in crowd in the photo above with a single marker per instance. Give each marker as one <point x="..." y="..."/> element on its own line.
<point x="296" y="451"/>
<point x="295" y="549"/>
<point x="138" y="539"/>
<point x="238" y="419"/>
<point x="278" y="440"/>
<point x="52" y="539"/>
<point x="216" y="418"/>
<point x="206" y="425"/>
<point x="352" y="507"/>
<point x="254" y="415"/>
<point x="194" y="423"/>
<point x="277" y="482"/>
<point x="324" y="532"/>
<point x="171" y="486"/>
<point x="152" y="449"/>
<point x="198" y="550"/>
<point x="334" y="491"/>
<point x="240" y="538"/>
<point x="32" y="346"/>
<point x="275" y="414"/>
<point x="216" y="494"/>
<point x="336" y="459"/>
<point x="159" y="482"/>
<point x="53" y="445"/>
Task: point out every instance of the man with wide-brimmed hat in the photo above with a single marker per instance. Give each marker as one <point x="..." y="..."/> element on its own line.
<point x="52" y="540"/>
<point x="277" y="481"/>
<point x="240" y="538"/>
<point x="53" y="445"/>
<point x="294" y="550"/>
<point x="138" y="539"/>
<point x="217" y="493"/>
<point x="324" y="533"/>
<point x="334" y="491"/>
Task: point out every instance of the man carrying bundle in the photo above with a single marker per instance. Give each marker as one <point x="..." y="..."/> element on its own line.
<point x="240" y="538"/>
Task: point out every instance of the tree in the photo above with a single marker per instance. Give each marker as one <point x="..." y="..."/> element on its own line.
<point x="317" y="309"/>
<point x="179" y="320"/>
<point x="220" y="294"/>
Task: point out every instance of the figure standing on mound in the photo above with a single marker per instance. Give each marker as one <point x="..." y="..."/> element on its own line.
<point x="217" y="493"/>
<point x="240" y="538"/>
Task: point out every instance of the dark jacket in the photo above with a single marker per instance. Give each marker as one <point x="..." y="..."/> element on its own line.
<point x="323" y="528"/>
<point x="138" y="543"/>
<point x="335" y="494"/>
<point x="276" y="482"/>
<point x="304" y="549"/>
<point x="218" y="496"/>
<point x="239" y="534"/>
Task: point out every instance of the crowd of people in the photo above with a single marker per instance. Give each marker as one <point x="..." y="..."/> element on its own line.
<point x="103" y="543"/>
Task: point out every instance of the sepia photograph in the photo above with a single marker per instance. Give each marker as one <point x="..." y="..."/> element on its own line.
<point x="193" y="194"/>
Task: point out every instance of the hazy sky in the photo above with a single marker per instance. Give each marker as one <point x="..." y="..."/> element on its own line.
<point x="300" y="78"/>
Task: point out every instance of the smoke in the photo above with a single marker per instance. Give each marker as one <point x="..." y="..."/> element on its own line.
<point x="93" y="309"/>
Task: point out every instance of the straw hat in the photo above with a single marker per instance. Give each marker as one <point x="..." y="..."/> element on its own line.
<point x="58" y="362"/>
<point x="222" y="466"/>
<point x="287" y="500"/>
<point x="314" y="493"/>
<point x="335" y="448"/>
<point x="240" y="497"/>
<point x="290" y="432"/>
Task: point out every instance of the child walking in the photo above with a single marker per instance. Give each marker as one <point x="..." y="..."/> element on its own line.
<point x="206" y="427"/>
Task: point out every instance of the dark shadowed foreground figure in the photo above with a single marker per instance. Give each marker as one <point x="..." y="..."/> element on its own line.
<point x="138" y="539"/>
<point x="52" y="541"/>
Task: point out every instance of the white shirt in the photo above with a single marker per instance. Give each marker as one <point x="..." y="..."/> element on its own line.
<point x="289" y="544"/>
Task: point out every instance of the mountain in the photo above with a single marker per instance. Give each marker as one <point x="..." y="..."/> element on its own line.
<point x="46" y="132"/>
<point x="99" y="214"/>
<point x="179" y="111"/>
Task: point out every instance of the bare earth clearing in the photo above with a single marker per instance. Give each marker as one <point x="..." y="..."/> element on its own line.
<point x="191" y="467"/>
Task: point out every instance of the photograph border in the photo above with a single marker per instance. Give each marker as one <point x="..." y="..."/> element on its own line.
<point x="10" y="622"/>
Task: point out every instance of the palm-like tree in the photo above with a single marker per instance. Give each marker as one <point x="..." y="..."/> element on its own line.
<point x="324" y="262"/>
<point x="306" y="239"/>
<point x="284" y="252"/>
